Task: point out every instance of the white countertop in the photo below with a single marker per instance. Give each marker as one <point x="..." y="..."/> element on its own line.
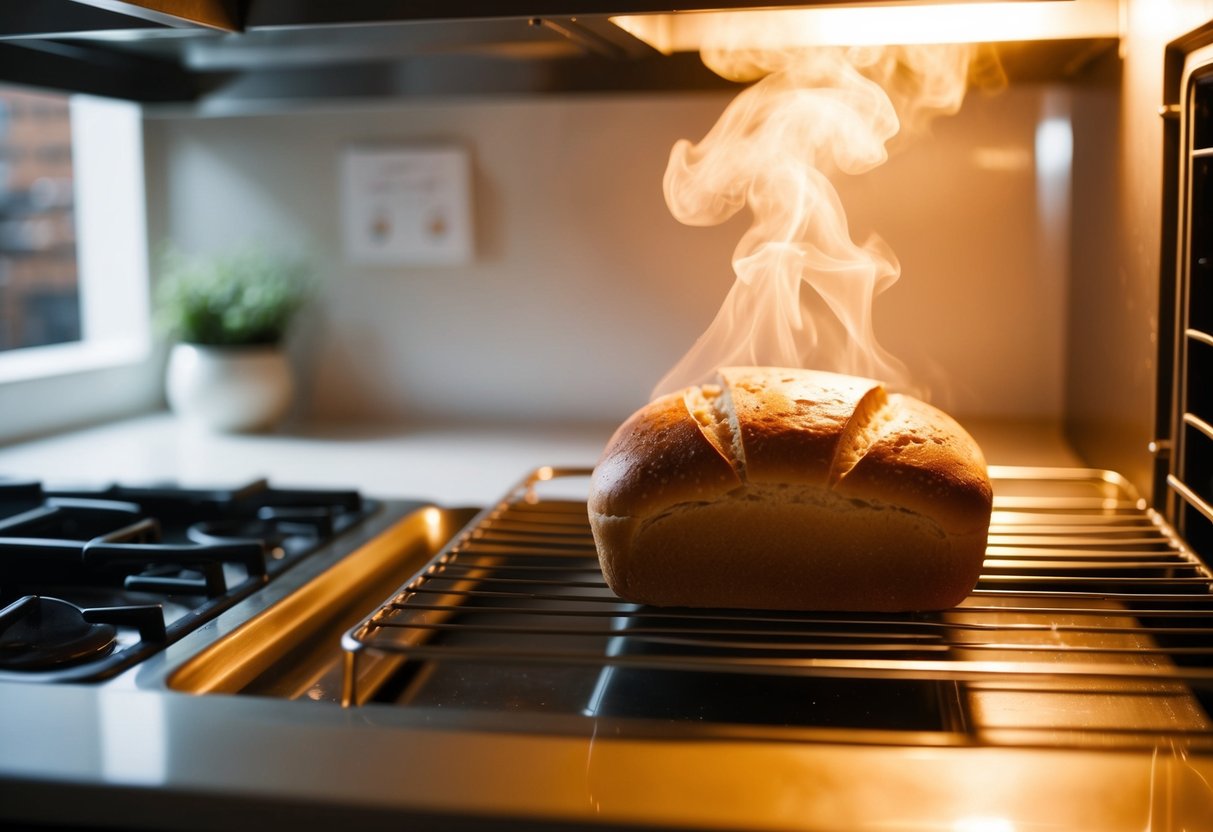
<point x="449" y="465"/>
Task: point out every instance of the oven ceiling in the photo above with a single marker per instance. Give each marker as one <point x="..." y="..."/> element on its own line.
<point x="243" y="54"/>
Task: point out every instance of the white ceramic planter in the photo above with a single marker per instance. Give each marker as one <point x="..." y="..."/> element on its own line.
<point x="229" y="388"/>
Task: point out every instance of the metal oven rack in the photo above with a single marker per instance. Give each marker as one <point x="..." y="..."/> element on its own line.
<point x="1092" y="625"/>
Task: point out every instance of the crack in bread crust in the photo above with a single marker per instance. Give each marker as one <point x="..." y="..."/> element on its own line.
<point x="711" y="406"/>
<point x="871" y="416"/>
<point x="727" y="414"/>
<point x="703" y="406"/>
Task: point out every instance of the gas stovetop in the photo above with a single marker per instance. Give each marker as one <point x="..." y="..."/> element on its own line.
<point x="94" y="580"/>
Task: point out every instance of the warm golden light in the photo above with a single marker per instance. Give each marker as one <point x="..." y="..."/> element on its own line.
<point x="983" y="824"/>
<point x="1009" y="159"/>
<point x="829" y="89"/>
<point x="434" y="531"/>
<point x="868" y="26"/>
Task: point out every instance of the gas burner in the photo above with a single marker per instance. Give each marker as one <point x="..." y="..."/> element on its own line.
<point x="280" y="529"/>
<point x="98" y="579"/>
<point x="107" y="541"/>
<point x="327" y="510"/>
<point x="44" y="633"/>
<point x="41" y="633"/>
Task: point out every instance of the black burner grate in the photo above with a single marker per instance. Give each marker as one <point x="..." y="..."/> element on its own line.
<point x="127" y="570"/>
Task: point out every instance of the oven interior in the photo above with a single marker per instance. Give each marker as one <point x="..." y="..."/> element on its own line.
<point x="1090" y="628"/>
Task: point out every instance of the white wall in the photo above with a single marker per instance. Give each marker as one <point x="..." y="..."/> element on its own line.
<point x="585" y="290"/>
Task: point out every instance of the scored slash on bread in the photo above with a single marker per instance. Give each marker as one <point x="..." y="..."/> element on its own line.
<point x="791" y="489"/>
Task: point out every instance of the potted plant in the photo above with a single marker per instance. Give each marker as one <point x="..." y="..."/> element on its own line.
<point x="228" y="316"/>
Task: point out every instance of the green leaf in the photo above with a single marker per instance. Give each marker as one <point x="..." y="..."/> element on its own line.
<point x="242" y="297"/>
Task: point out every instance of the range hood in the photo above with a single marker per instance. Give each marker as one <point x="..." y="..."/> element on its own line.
<point x="232" y="53"/>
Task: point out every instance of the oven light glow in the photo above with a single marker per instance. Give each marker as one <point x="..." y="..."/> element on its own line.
<point x="1054" y="154"/>
<point x="1054" y="146"/>
<point x="433" y="526"/>
<point x="1002" y="159"/>
<point x="867" y="26"/>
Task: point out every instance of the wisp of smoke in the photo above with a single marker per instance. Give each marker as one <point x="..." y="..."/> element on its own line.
<point x="804" y="289"/>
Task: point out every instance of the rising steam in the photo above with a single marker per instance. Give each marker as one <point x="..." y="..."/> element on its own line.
<point x="804" y="289"/>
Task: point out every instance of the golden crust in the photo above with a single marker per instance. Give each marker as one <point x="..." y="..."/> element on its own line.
<point x="924" y="461"/>
<point x="846" y="498"/>
<point x="657" y="458"/>
<point x="812" y="556"/>
<point x="791" y="420"/>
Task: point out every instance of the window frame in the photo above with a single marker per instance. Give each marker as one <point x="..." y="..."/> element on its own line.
<point x="110" y="371"/>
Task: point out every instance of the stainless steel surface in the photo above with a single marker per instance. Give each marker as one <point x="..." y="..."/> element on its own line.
<point x="1089" y="628"/>
<point x="288" y="649"/>
<point x="443" y="751"/>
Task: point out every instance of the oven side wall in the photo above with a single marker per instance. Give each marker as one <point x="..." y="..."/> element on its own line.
<point x="1111" y="366"/>
<point x="1110" y="356"/>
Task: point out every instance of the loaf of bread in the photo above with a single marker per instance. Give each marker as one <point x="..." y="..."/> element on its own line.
<point x="791" y="489"/>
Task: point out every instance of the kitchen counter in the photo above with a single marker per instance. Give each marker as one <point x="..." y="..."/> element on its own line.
<point x="449" y="465"/>
<point x="466" y="465"/>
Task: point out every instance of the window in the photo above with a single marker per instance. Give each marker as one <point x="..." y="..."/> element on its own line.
<point x="73" y="250"/>
<point x="74" y="307"/>
<point x="39" y="296"/>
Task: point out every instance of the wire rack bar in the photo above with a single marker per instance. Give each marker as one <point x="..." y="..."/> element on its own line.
<point x="1084" y="589"/>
